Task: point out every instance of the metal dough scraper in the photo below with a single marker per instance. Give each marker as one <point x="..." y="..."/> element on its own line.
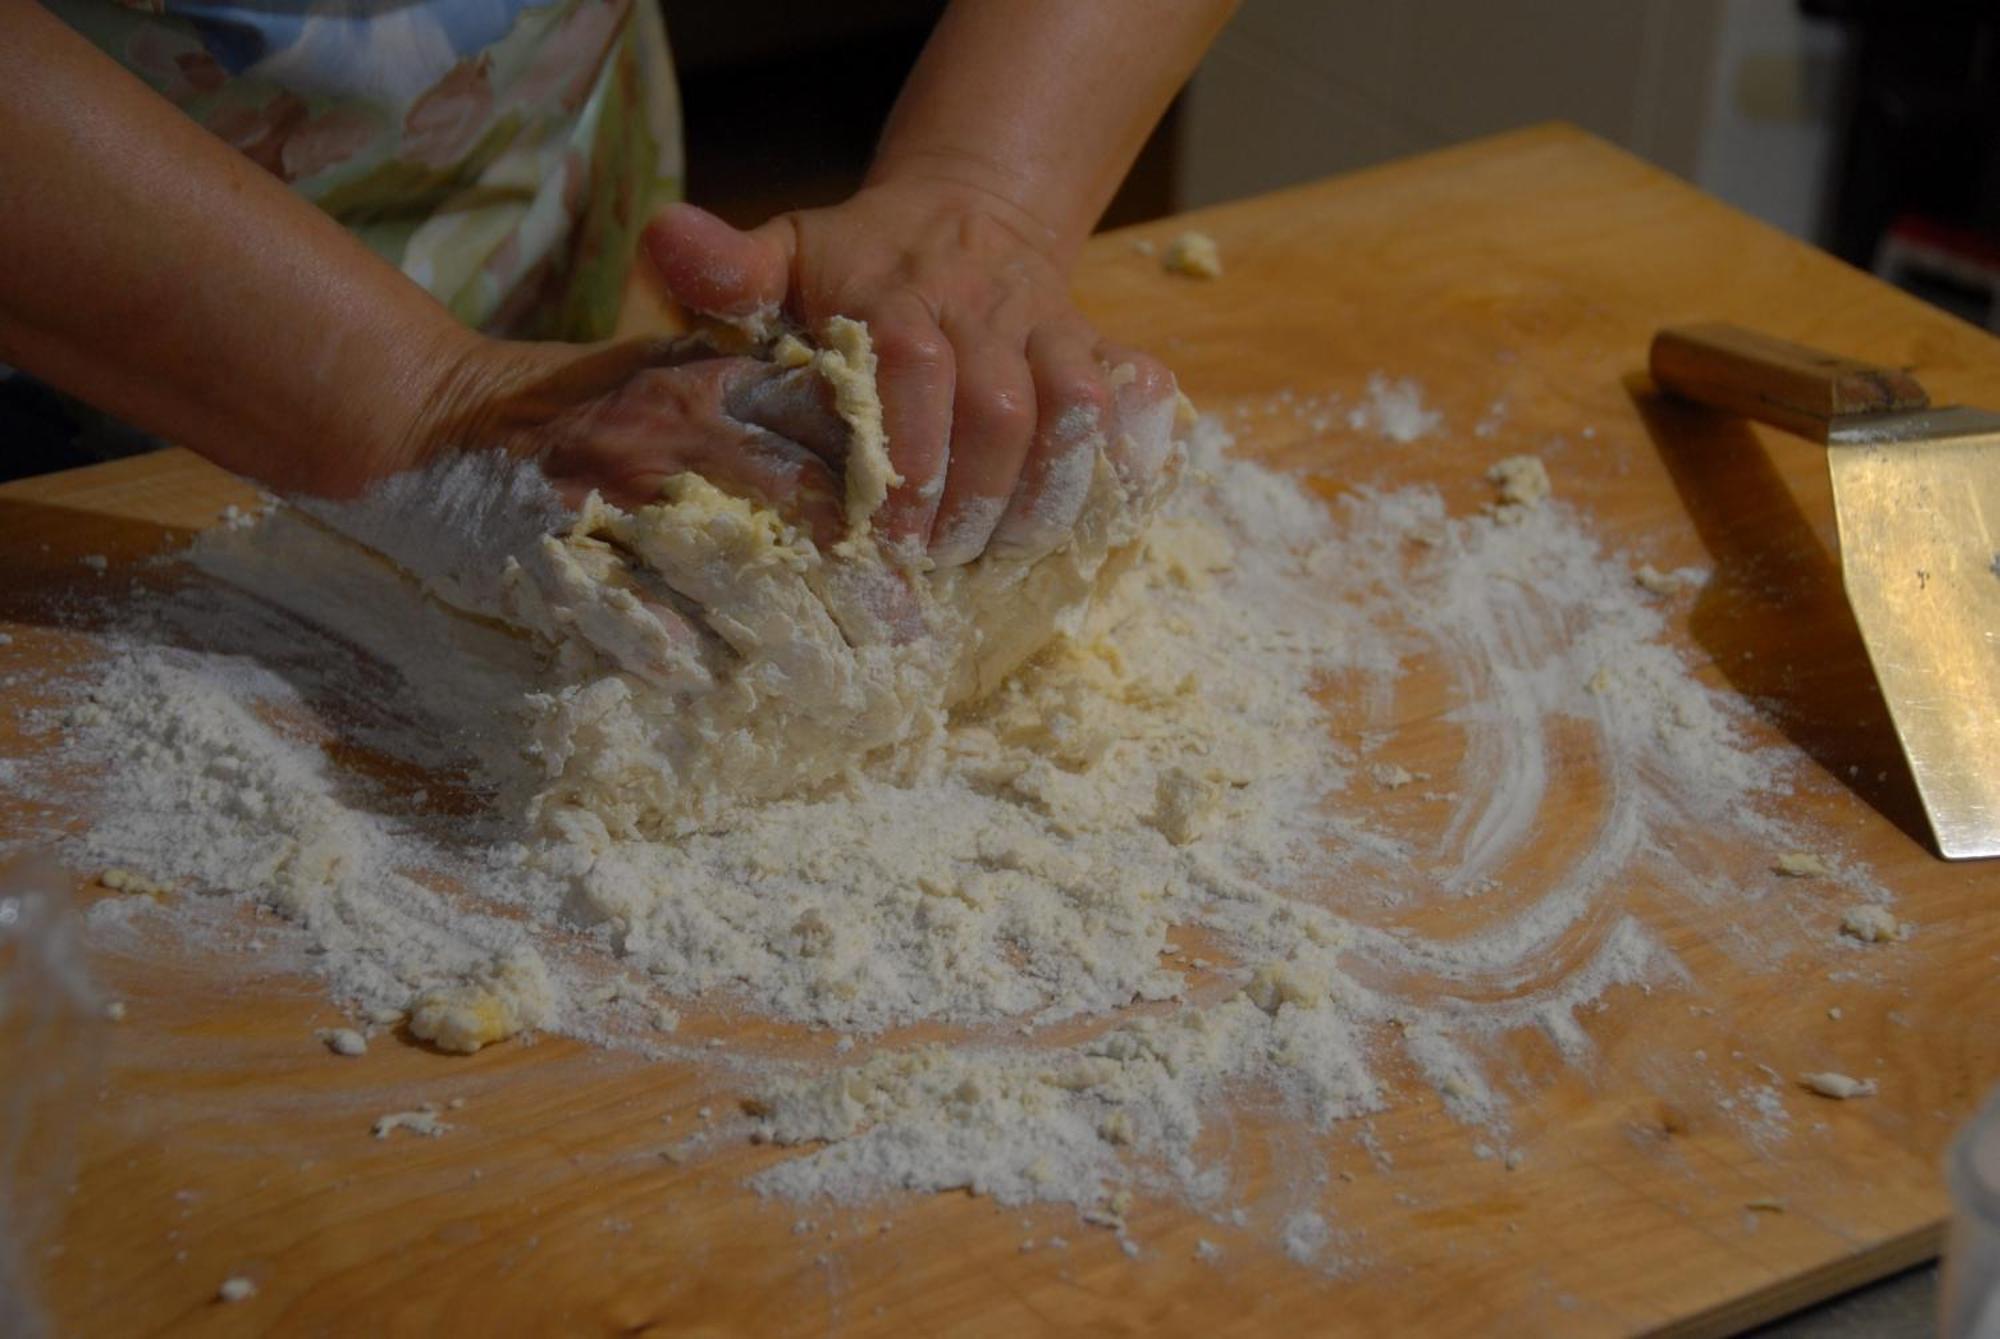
<point x="1916" y="493"/>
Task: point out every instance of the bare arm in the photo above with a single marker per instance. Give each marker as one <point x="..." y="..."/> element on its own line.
<point x="156" y="273"/>
<point x="149" y="269"/>
<point x="1045" y="103"/>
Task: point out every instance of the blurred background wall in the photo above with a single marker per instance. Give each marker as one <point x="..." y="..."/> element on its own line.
<point x="1870" y="127"/>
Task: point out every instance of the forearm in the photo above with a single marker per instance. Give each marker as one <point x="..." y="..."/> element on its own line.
<point x="1045" y="103"/>
<point x="153" y="271"/>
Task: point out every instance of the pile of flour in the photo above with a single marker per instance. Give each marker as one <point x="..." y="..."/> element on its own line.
<point x="1180" y="833"/>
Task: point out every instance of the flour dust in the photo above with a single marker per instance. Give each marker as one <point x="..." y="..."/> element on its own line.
<point x="1153" y="877"/>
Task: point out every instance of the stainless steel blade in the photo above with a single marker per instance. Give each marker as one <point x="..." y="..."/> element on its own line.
<point x="1914" y="425"/>
<point x="1918" y="500"/>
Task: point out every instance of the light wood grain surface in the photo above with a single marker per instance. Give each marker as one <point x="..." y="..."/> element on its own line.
<point x="217" y="1140"/>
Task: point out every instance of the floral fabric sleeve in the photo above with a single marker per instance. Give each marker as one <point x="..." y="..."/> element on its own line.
<point x="503" y="154"/>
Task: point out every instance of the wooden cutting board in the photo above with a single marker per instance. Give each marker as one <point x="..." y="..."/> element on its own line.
<point x="1533" y="268"/>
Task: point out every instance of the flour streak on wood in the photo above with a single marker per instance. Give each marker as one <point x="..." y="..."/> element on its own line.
<point x="1533" y="268"/>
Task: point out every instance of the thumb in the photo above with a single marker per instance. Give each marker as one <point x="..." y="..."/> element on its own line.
<point x="715" y="269"/>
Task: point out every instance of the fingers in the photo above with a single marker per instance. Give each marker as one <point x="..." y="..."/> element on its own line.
<point x="992" y="429"/>
<point x="669" y="421"/>
<point x="1144" y="399"/>
<point x="753" y="464"/>
<point x="916" y="374"/>
<point x="797" y="404"/>
<point x="716" y="269"/>
<point x="1075" y="404"/>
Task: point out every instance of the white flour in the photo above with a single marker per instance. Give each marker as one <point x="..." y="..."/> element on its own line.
<point x="1150" y="835"/>
<point x="1395" y="409"/>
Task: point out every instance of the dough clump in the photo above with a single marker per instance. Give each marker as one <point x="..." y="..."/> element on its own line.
<point x="789" y="663"/>
<point x="1523" y="482"/>
<point x="1872" y="924"/>
<point x="512" y="995"/>
<point x="1193" y="254"/>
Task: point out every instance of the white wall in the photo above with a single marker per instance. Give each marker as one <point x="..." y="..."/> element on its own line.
<point x="1709" y="89"/>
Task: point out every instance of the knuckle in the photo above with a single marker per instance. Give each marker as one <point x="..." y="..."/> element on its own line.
<point x="912" y="346"/>
<point x="1081" y="388"/>
<point x="1004" y="412"/>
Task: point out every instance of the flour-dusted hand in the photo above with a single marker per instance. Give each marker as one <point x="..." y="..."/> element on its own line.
<point x="622" y="419"/>
<point x="997" y="395"/>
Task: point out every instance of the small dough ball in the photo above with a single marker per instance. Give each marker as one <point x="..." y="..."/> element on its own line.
<point x="1193" y="254"/>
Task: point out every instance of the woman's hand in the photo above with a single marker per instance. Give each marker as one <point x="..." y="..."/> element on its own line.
<point x="622" y="418"/>
<point x="1015" y="127"/>
<point x="996" y="394"/>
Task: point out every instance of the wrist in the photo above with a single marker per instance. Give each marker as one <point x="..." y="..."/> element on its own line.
<point x="968" y="183"/>
<point x="463" y="395"/>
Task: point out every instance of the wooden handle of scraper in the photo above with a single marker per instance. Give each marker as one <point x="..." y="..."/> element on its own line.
<point x="1796" y="388"/>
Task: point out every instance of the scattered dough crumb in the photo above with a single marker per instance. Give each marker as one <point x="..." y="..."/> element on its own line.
<point x="1207" y="1251"/>
<point x="115" y="1011"/>
<point x="1655" y="582"/>
<point x="1524" y="485"/>
<point x="511" y="995"/>
<point x="236" y="1288"/>
<point x="1872" y="925"/>
<point x="96" y="562"/>
<point x="1193" y="254"/>
<point x="1280" y="983"/>
<point x="1801" y="865"/>
<point x="121" y="880"/>
<point x="1184" y="805"/>
<point x="342" y="1041"/>
<point x="1116" y="1128"/>
<point x="1144" y="247"/>
<point x="423" y="1121"/>
<point x="1834" y="1013"/>
<point x="1389" y="776"/>
<point x="1839" y="1087"/>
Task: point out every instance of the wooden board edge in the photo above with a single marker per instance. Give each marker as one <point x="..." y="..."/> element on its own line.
<point x="1810" y="1288"/>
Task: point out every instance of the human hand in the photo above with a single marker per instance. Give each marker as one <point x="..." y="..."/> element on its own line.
<point x="997" y="395"/>
<point x="621" y="419"/>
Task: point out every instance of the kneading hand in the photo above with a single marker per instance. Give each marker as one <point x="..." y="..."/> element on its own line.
<point x="621" y="419"/>
<point x="996" y="393"/>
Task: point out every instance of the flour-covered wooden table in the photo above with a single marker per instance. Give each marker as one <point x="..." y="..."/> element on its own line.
<point x="1661" y="1169"/>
